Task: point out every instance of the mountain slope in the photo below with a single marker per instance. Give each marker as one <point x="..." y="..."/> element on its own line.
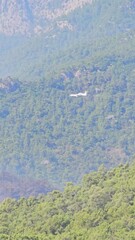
<point x="101" y="207"/>
<point x="32" y="57"/>
<point x="53" y="132"/>
<point x="47" y="134"/>
<point x="28" y="16"/>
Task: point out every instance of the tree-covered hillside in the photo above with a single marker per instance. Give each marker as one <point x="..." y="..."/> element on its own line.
<point x="57" y="137"/>
<point x="47" y="135"/>
<point x="101" y="207"/>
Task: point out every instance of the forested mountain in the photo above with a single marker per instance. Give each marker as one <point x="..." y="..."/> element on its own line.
<point x="101" y="207"/>
<point x="32" y="56"/>
<point x="45" y="134"/>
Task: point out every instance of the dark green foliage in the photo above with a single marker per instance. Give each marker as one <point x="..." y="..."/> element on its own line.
<point x="46" y="134"/>
<point x="102" y="207"/>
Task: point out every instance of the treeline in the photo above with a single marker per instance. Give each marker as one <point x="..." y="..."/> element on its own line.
<point x="101" y="207"/>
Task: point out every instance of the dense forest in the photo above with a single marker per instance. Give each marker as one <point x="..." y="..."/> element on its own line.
<point x="46" y="135"/>
<point x="46" y="132"/>
<point x="101" y="207"/>
<point x="67" y="169"/>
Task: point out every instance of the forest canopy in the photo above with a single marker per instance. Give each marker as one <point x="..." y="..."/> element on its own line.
<point x="101" y="207"/>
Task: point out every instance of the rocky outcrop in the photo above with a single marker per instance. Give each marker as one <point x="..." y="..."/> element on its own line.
<point x="9" y="85"/>
<point x="35" y="16"/>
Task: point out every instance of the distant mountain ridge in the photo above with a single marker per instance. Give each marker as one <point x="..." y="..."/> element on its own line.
<point x="28" y="16"/>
